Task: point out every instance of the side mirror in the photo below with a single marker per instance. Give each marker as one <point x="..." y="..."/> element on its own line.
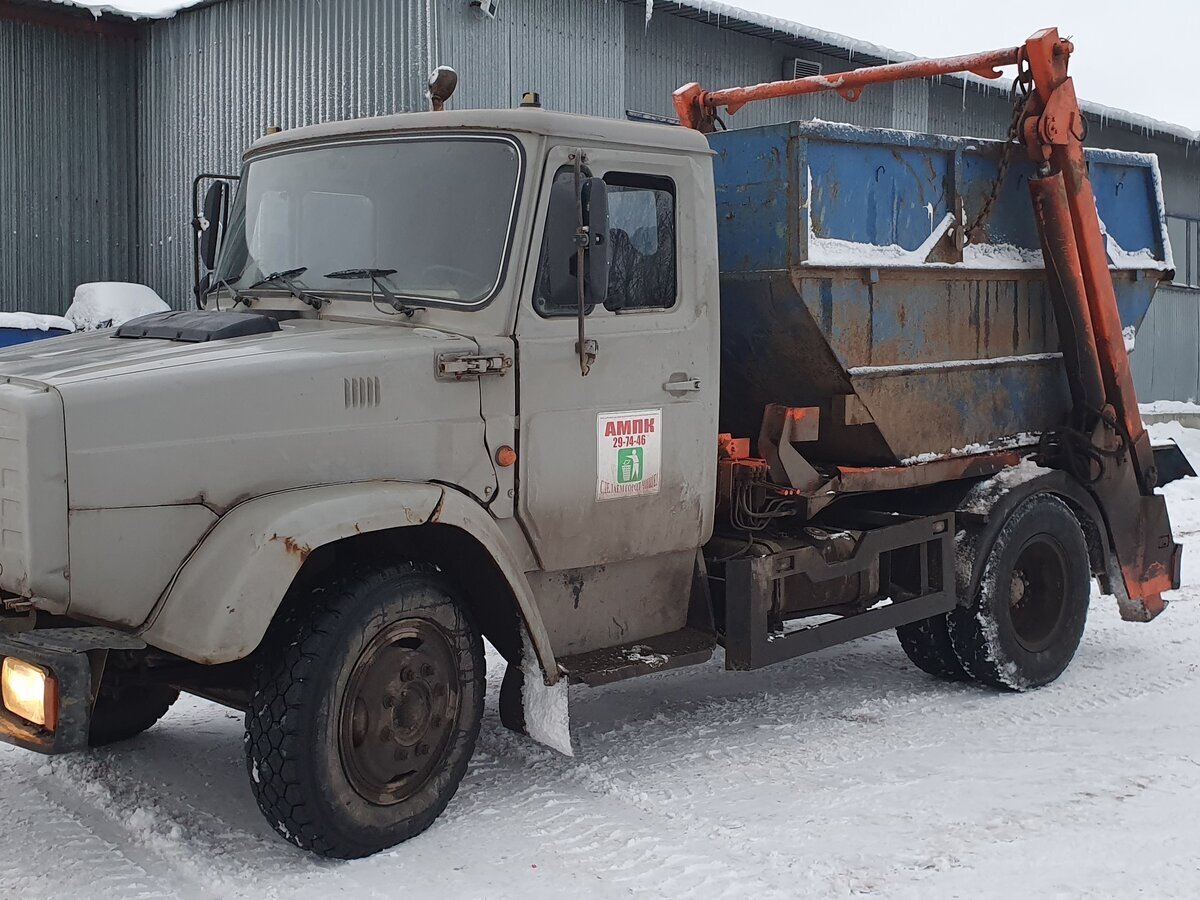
<point x="216" y="207"/>
<point x="562" y="247"/>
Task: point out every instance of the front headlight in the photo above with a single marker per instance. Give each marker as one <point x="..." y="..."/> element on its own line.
<point x="29" y="691"/>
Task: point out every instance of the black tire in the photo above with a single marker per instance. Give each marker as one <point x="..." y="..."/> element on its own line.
<point x="125" y="712"/>
<point x="1027" y="616"/>
<point x="927" y="643"/>
<point x="365" y="711"/>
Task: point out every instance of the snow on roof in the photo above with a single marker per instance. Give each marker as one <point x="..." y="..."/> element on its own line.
<point x="810" y="38"/>
<point x="133" y="9"/>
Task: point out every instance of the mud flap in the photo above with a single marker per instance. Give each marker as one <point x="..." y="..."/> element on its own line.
<point x="530" y="707"/>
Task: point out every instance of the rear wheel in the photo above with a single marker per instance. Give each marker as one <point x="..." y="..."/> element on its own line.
<point x="125" y="711"/>
<point x="1027" y="616"/>
<point x="365" y="711"/>
<point x="927" y="643"/>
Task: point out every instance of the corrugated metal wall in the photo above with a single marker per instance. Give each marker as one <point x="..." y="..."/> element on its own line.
<point x="212" y="80"/>
<point x="1165" y="360"/>
<point x="67" y="164"/>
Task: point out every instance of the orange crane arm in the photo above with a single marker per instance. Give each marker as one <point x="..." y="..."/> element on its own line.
<point x="1052" y="129"/>
<point x="697" y="107"/>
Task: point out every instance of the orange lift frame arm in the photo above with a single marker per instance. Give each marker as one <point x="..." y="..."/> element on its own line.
<point x="1052" y="129"/>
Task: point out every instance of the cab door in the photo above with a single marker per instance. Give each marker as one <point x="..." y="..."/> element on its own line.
<point x="617" y="468"/>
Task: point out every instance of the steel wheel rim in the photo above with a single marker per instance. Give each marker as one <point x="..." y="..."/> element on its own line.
<point x="1038" y="593"/>
<point x="399" y="711"/>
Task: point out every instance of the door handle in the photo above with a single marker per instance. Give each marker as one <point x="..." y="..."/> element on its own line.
<point x="681" y="385"/>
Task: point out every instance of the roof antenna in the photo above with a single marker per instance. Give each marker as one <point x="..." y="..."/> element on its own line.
<point x="442" y="82"/>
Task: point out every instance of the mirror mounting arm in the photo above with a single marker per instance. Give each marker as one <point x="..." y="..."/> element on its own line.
<point x="587" y="355"/>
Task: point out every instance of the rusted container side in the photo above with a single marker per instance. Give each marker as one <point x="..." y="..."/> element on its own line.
<point x="848" y="284"/>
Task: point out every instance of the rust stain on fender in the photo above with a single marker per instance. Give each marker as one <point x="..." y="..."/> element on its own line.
<point x="292" y="546"/>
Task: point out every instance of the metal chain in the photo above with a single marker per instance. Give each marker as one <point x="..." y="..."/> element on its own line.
<point x="1022" y="90"/>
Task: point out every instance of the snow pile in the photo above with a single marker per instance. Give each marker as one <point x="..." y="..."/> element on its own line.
<point x="1001" y="256"/>
<point x="1010" y="442"/>
<point x="133" y="9"/>
<point x="1120" y="258"/>
<point x="1166" y="407"/>
<point x="824" y="251"/>
<point x="1183" y="496"/>
<point x="106" y="304"/>
<point x="984" y="495"/>
<point x="34" y="322"/>
<point x="835" y="252"/>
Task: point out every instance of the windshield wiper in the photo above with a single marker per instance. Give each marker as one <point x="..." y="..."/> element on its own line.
<point x="237" y="295"/>
<point x="285" y="278"/>
<point x="376" y="276"/>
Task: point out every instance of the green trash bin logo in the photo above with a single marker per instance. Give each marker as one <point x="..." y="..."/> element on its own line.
<point x="628" y="453"/>
<point x="629" y="465"/>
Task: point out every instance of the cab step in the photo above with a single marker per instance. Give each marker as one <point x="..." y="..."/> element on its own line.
<point x="674" y="650"/>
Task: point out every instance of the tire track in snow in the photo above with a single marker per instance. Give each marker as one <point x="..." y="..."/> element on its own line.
<point x="648" y="769"/>
<point x="894" y="698"/>
<point x="150" y="822"/>
<point x="624" y="849"/>
<point x="48" y="828"/>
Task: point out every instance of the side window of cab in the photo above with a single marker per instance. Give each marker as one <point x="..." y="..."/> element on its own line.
<point x="641" y="242"/>
<point x="641" y="246"/>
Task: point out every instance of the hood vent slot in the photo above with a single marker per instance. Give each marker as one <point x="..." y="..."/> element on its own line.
<point x="362" y="393"/>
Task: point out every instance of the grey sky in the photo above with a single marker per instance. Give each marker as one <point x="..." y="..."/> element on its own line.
<point x="1138" y="55"/>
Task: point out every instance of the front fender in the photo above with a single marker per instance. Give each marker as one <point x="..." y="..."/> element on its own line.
<point x="221" y="601"/>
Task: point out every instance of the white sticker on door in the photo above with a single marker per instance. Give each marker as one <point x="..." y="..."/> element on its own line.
<point x="628" y="454"/>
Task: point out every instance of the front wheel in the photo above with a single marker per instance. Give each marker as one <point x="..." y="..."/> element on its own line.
<point x="365" y="711"/>
<point x="1026" y="618"/>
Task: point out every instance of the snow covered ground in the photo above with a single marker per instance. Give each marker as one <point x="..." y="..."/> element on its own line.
<point x="844" y="773"/>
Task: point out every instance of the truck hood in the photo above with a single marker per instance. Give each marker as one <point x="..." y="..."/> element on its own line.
<point x="78" y="358"/>
<point x="154" y="422"/>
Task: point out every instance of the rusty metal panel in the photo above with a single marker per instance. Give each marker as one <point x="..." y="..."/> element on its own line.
<point x="944" y="354"/>
<point x="67" y="163"/>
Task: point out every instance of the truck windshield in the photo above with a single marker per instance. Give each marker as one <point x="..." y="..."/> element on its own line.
<point x="435" y="212"/>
